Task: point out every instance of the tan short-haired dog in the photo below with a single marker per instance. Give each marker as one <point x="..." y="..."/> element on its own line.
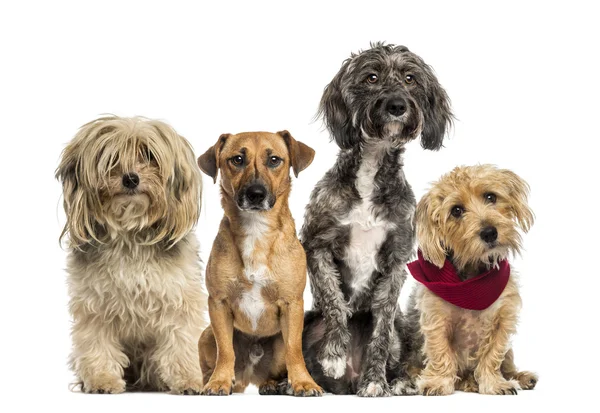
<point x="468" y="224"/>
<point x="256" y="273"/>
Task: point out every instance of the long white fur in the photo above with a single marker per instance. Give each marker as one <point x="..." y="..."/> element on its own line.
<point x="367" y="231"/>
<point x="128" y="303"/>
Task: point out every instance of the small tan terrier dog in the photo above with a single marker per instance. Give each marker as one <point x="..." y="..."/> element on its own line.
<point x="464" y="309"/>
<point x="256" y="272"/>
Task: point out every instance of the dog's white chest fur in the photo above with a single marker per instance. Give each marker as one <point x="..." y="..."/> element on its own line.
<point x="367" y="231"/>
<point x="255" y="270"/>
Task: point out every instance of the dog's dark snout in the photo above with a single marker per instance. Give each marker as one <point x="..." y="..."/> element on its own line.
<point x="396" y="106"/>
<point x="256" y="193"/>
<point x="489" y="234"/>
<point x="131" y="180"/>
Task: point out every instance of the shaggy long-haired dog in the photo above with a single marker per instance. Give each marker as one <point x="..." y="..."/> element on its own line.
<point x="358" y="231"/>
<point x="131" y="195"/>
<point x="465" y="307"/>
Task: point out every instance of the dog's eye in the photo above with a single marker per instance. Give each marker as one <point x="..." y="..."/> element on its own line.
<point x="274" y="161"/>
<point x="237" y="160"/>
<point x="457" y="211"/>
<point x="149" y="156"/>
<point x="489" y="197"/>
<point x="372" y="78"/>
<point x="409" y="79"/>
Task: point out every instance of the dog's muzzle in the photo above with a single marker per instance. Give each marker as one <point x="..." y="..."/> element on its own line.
<point x="396" y="117"/>
<point x="255" y="197"/>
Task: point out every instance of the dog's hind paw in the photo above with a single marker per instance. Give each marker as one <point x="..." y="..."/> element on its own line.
<point x="527" y="380"/>
<point x="284" y="388"/>
<point x="268" y="388"/>
<point x="402" y="387"/>
<point x="333" y="367"/>
<point x="374" y="389"/>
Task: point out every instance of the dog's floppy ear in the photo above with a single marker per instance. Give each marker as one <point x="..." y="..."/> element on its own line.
<point x="519" y="191"/>
<point x="335" y="113"/>
<point x="437" y="115"/>
<point x="301" y="155"/>
<point x="209" y="160"/>
<point x="80" y="206"/>
<point x="428" y="235"/>
<point x="66" y="173"/>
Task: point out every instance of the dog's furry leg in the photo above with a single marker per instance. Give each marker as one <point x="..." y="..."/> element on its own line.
<point x="327" y="292"/>
<point x="494" y="347"/>
<point x="440" y="373"/>
<point x="402" y="382"/>
<point x="176" y="356"/>
<point x="98" y="359"/>
<point x="527" y="380"/>
<point x="292" y="321"/>
<point x="373" y="381"/>
<point x="222" y="379"/>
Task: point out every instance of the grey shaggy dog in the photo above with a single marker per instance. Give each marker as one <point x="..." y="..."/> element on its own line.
<point x="359" y="229"/>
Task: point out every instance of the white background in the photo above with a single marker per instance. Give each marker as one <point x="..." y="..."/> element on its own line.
<point x="523" y="79"/>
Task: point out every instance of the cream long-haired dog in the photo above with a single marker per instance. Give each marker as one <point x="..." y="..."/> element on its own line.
<point x="131" y="195"/>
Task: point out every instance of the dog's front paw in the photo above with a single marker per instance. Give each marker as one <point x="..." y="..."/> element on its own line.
<point x="527" y="380"/>
<point x="374" y="389"/>
<point x="218" y="387"/>
<point x="436" y="386"/>
<point x="104" y="384"/>
<point x="187" y="387"/>
<point x="305" y="388"/>
<point x="403" y="387"/>
<point x="499" y="386"/>
<point x="333" y="367"/>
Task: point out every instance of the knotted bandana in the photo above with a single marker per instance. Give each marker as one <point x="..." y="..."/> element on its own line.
<point x="476" y="293"/>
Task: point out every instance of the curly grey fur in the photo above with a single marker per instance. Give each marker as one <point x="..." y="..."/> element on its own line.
<point x="363" y="205"/>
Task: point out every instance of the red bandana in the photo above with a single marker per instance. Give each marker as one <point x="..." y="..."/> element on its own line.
<point x="473" y="294"/>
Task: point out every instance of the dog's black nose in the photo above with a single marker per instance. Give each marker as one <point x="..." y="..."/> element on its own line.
<point x="396" y="107"/>
<point x="489" y="234"/>
<point x="131" y="180"/>
<point x="256" y="194"/>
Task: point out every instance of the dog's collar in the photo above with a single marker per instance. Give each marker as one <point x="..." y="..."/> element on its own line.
<point x="476" y="293"/>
